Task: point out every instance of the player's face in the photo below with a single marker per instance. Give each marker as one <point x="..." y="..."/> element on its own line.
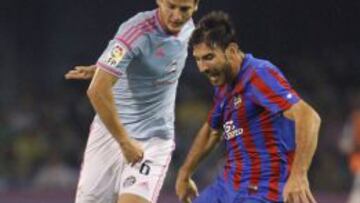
<point x="213" y="63"/>
<point x="175" y="13"/>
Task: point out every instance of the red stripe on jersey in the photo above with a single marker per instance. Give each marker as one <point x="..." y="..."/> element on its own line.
<point x="273" y="151"/>
<point x="282" y="81"/>
<point x="227" y="168"/>
<point x="238" y="163"/>
<point x="290" y="158"/>
<point x="250" y="148"/>
<point x="267" y="91"/>
<point x="218" y="96"/>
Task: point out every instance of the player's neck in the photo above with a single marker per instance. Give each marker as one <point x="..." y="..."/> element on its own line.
<point x="237" y="65"/>
<point x="162" y="24"/>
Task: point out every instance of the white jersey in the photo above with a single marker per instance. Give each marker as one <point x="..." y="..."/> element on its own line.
<point x="148" y="63"/>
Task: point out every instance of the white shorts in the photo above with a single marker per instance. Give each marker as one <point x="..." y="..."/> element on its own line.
<point x="105" y="175"/>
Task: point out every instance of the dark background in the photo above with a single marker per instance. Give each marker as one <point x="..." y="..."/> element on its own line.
<point x="44" y="119"/>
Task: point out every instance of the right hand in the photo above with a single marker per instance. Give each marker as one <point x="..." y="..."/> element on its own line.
<point x="297" y="190"/>
<point x="81" y="73"/>
<point x="185" y="188"/>
<point x="132" y="151"/>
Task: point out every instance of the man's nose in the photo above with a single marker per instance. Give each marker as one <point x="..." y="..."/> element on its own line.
<point x="176" y="15"/>
<point x="203" y="67"/>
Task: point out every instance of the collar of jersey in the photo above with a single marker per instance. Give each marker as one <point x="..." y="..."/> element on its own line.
<point x="161" y="29"/>
<point x="244" y="66"/>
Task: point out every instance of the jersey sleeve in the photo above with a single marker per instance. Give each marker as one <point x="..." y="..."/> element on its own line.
<point x="271" y="90"/>
<point x="126" y="45"/>
<point x="215" y="114"/>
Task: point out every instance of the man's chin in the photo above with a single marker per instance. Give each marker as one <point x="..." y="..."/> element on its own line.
<point x="174" y="29"/>
<point x="216" y="83"/>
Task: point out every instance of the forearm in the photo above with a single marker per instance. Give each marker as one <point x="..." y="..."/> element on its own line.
<point x="103" y="104"/>
<point x="206" y="140"/>
<point x="307" y="125"/>
<point x="101" y="98"/>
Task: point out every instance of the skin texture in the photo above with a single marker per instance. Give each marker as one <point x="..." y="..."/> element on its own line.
<point x="205" y="141"/>
<point x="175" y="13"/>
<point x="221" y="66"/>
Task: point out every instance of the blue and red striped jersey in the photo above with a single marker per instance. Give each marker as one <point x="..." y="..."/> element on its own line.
<point x="259" y="139"/>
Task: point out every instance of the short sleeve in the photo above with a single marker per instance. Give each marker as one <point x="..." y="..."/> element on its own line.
<point x="271" y="90"/>
<point x="215" y="114"/>
<point x="126" y="45"/>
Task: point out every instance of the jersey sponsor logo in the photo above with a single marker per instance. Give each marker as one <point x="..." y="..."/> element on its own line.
<point x="115" y="55"/>
<point x="231" y="131"/>
<point x="237" y="101"/>
<point x="129" y="181"/>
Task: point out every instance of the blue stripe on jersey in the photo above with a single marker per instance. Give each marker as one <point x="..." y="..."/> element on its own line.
<point x="262" y="100"/>
<point x="278" y="97"/>
<point x="233" y="158"/>
<point x="284" y="169"/>
<point x="259" y="141"/>
<point x="229" y="160"/>
<point x="246" y="168"/>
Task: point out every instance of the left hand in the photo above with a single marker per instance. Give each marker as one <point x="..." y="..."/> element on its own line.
<point x="297" y="190"/>
<point x="81" y="73"/>
<point x="185" y="188"/>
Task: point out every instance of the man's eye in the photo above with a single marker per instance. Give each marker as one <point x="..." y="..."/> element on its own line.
<point x="184" y="9"/>
<point x="208" y="57"/>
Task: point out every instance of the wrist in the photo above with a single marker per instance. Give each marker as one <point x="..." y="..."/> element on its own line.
<point x="123" y="141"/>
<point x="299" y="172"/>
<point x="184" y="173"/>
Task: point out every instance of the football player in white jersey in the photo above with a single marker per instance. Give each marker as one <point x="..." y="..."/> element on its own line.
<point x="133" y="93"/>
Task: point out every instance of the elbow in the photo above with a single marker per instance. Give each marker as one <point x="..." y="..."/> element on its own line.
<point x="92" y="93"/>
<point x="316" y="121"/>
<point x="317" y="118"/>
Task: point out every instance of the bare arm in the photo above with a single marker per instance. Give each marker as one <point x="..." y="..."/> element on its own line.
<point x="307" y="124"/>
<point x="205" y="141"/>
<point x="101" y="98"/>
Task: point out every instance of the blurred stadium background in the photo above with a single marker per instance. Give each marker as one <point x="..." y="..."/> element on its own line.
<point x="44" y="119"/>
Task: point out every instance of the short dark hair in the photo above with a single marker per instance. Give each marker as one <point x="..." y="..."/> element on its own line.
<point x="214" y="29"/>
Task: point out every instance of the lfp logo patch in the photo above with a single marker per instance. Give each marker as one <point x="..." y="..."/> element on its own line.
<point x="115" y="55"/>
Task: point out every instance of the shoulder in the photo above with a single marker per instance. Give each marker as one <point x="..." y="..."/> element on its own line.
<point x="140" y="18"/>
<point x="134" y="30"/>
<point x="262" y="67"/>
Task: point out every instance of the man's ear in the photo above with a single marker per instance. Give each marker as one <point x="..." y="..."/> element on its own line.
<point x="196" y="6"/>
<point x="231" y="50"/>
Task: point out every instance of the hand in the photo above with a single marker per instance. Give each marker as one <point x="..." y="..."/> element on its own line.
<point x="297" y="190"/>
<point x="81" y="73"/>
<point x="132" y="151"/>
<point x="185" y="188"/>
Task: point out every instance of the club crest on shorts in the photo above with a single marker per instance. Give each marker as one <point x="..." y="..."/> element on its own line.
<point x="129" y="181"/>
<point x="237" y="101"/>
